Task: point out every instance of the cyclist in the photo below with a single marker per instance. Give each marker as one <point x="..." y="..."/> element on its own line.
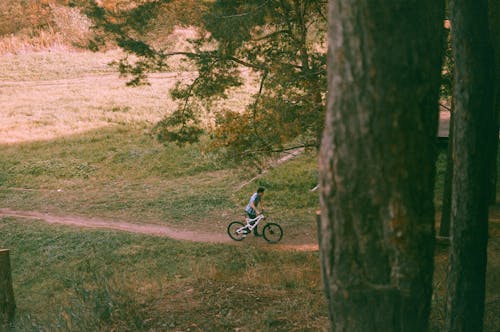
<point x="252" y="210"/>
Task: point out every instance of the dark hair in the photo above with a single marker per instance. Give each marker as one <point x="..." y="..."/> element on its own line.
<point x="261" y="189"/>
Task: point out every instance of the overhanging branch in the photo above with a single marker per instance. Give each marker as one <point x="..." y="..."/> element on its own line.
<point x="445" y="107"/>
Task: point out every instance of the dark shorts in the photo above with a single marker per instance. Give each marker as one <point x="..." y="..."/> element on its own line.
<point x="253" y="216"/>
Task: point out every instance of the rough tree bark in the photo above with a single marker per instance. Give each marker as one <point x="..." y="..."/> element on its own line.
<point x="494" y="20"/>
<point x="377" y="163"/>
<point x="7" y="303"/>
<point x="473" y="107"/>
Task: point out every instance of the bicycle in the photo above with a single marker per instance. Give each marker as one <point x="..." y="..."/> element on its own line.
<point x="238" y="231"/>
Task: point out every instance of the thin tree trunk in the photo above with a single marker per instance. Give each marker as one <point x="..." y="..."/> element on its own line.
<point x="7" y="303"/>
<point x="473" y="97"/>
<point x="377" y="163"/>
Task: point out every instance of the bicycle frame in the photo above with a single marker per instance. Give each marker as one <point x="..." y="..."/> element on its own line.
<point x="249" y="221"/>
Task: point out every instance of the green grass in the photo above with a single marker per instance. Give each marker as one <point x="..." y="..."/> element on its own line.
<point x="124" y="173"/>
<point x="440" y="175"/>
<point x="94" y="280"/>
<point x="84" y="280"/>
<point x="81" y="280"/>
<point x="103" y="280"/>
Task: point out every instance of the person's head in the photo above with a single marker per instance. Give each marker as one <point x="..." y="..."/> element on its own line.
<point x="260" y="191"/>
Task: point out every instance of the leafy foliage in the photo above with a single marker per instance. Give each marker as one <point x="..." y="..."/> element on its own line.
<point x="282" y="44"/>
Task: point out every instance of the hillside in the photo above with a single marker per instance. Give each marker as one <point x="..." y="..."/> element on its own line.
<point x="42" y="25"/>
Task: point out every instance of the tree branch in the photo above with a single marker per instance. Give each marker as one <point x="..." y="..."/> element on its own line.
<point x="295" y="147"/>
<point x="242" y="14"/>
<point x="272" y="34"/>
<point x="445" y="107"/>
<point x="230" y="58"/>
<point x="261" y="87"/>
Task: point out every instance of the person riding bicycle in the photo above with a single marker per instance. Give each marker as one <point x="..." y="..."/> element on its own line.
<point x="252" y="210"/>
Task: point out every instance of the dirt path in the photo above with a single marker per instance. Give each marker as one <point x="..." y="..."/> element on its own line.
<point x="147" y="229"/>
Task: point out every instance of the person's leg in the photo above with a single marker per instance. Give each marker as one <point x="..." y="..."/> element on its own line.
<point x="248" y="217"/>
<point x="253" y="216"/>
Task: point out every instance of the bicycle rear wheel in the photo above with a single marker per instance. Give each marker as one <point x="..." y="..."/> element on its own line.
<point x="272" y="232"/>
<point x="236" y="232"/>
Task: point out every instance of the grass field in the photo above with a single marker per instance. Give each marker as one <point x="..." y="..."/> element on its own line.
<point x="102" y="281"/>
<point x="123" y="173"/>
<point x="76" y="141"/>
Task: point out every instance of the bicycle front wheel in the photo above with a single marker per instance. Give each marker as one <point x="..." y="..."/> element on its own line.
<point x="236" y="231"/>
<point x="272" y="232"/>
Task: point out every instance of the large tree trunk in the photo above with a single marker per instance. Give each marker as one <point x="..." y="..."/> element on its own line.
<point x="473" y="97"/>
<point x="7" y="303"/>
<point x="377" y="163"/>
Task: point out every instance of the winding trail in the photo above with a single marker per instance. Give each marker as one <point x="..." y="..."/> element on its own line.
<point x="147" y="229"/>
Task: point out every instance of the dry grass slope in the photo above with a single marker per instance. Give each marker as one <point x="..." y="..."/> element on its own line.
<point x="51" y="94"/>
<point x="41" y="25"/>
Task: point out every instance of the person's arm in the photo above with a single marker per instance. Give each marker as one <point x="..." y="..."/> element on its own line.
<point x="252" y="205"/>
